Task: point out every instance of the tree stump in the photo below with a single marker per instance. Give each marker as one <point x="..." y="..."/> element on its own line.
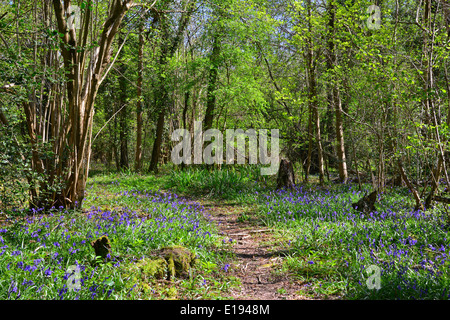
<point x="102" y="247"/>
<point x="367" y="203"/>
<point x="179" y="260"/>
<point x="286" y="178"/>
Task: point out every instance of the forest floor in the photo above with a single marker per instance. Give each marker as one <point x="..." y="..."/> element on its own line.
<point x="251" y="243"/>
<point x="258" y="256"/>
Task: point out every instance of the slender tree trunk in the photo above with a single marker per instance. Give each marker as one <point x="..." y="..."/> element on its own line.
<point x="318" y="135"/>
<point x="184" y="116"/>
<point x="334" y="96"/>
<point x="158" y="141"/>
<point x="170" y="45"/>
<point x="139" y="112"/>
<point x="312" y="90"/>
<point x="343" y="174"/>
<point x="416" y="196"/>
<point x="123" y="123"/>
<point x="185" y="109"/>
<point x="115" y="143"/>
<point x="211" y="95"/>
<point x="433" y="115"/>
<point x="307" y="165"/>
<point x="427" y="61"/>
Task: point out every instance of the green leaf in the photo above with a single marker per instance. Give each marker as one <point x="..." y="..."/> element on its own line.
<point x="110" y="283"/>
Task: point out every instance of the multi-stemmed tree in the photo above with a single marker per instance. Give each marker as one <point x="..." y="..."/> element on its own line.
<point x="72" y="61"/>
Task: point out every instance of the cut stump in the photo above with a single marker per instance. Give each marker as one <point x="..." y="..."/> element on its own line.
<point x="367" y="203"/>
<point x="102" y="247"/>
<point x="286" y="177"/>
<point x="179" y="260"/>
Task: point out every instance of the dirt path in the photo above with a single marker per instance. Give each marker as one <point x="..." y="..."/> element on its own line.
<point x="258" y="258"/>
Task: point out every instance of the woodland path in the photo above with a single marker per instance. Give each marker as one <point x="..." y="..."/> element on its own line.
<point x="258" y="257"/>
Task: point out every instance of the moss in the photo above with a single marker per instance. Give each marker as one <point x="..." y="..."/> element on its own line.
<point x="166" y="263"/>
<point x="171" y="263"/>
<point x="172" y="293"/>
<point x="179" y="259"/>
<point x="150" y="268"/>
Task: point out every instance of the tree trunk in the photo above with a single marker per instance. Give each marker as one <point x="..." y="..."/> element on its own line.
<point x="416" y="196"/>
<point x="342" y="165"/>
<point x="62" y="117"/>
<point x="427" y="62"/>
<point x="139" y="112"/>
<point x="318" y="138"/>
<point x="334" y="98"/>
<point x="156" y="152"/>
<point x="184" y="117"/>
<point x="211" y="95"/>
<point x="307" y="165"/>
<point x="367" y="203"/>
<point x="286" y="177"/>
<point x="123" y="123"/>
<point x="312" y="95"/>
<point x="168" y="50"/>
<point x="3" y="119"/>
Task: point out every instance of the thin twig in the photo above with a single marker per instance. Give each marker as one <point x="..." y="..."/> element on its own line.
<point x="109" y="121"/>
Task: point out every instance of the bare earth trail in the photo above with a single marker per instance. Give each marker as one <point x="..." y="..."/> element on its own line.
<point x="258" y="257"/>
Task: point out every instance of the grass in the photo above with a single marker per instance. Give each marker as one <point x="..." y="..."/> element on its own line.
<point x="332" y="246"/>
<point x="230" y="183"/>
<point x="329" y="247"/>
<point x="335" y="245"/>
<point x="37" y="252"/>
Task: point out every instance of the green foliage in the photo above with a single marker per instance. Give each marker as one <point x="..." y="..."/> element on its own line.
<point x="13" y="171"/>
<point x="391" y="83"/>
<point x="333" y="245"/>
<point x="226" y="183"/>
<point x="38" y="250"/>
<point x="17" y="177"/>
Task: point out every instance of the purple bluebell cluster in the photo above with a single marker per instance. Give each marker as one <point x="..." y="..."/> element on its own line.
<point x="410" y="247"/>
<point x="36" y="251"/>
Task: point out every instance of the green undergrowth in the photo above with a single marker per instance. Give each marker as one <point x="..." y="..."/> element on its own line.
<point x="340" y="252"/>
<point x="41" y="255"/>
<point x="228" y="183"/>
<point x="334" y="251"/>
